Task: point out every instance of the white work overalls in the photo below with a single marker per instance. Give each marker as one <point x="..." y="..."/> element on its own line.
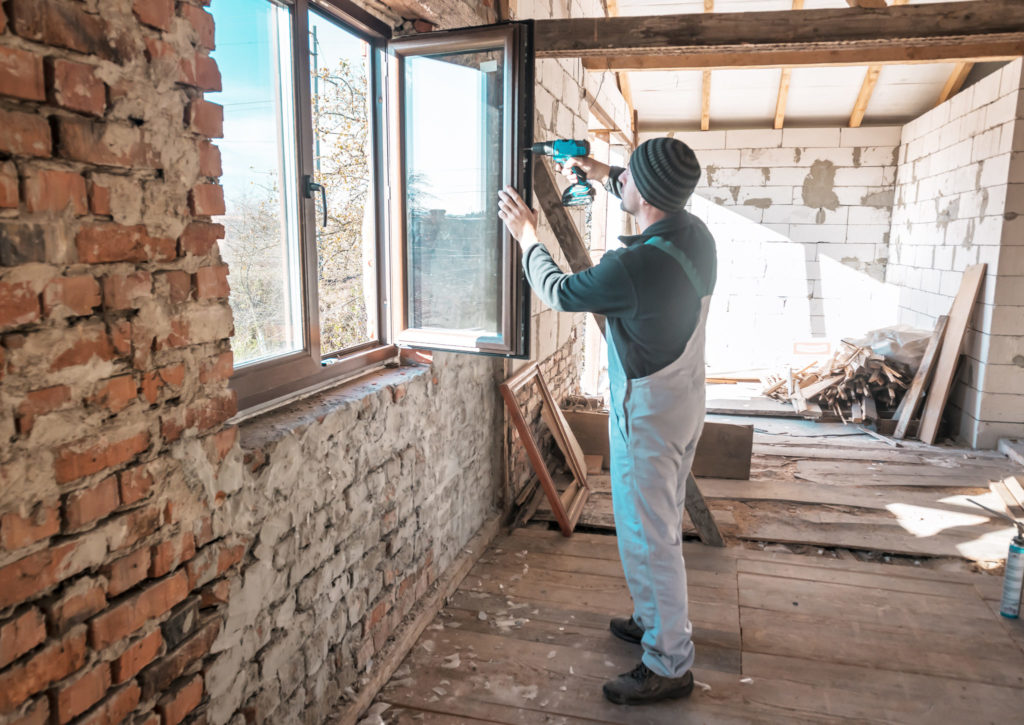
<point x="654" y="424"/>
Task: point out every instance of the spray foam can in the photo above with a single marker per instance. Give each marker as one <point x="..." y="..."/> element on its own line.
<point x="1013" y="579"/>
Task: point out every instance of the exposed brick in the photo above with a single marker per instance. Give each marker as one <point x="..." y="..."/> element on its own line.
<point x="174" y="664"/>
<point x="224" y="441"/>
<point x="217" y="369"/>
<point x="206" y="200"/>
<point x="206" y="118"/>
<point x="43" y="522"/>
<point x="203" y="530"/>
<point x="39" y="712"/>
<point x="172" y="424"/>
<point x="207" y="74"/>
<point x="21" y="242"/>
<point x="173" y="375"/>
<point x="215" y="593"/>
<point x="155" y="13"/>
<point x="130" y="528"/>
<point x="77" y="295"/>
<point x="126" y="572"/>
<point x="99" y="199"/>
<point x="116" y="708"/>
<point x="213" y="411"/>
<point x="96" y="453"/>
<point x="41" y="402"/>
<point x="177" y="337"/>
<point x="21" y="75"/>
<point x="21" y="634"/>
<point x="109" y="242"/>
<point x="120" y="332"/>
<point x="212" y="282"/>
<point x="209" y="161"/>
<point x="202" y="22"/>
<point x="135" y="484"/>
<point x="19" y="304"/>
<point x="9" y="194"/>
<point x="199" y="238"/>
<point x="75" y="697"/>
<point x="139" y="654"/>
<point x="103" y="144"/>
<point x="90" y="504"/>
<point x="50" y="190"/>
<point x="78" y="602"/>
<point x="169" y="555"/>
<point x="85" y="343"/>
<point x="126" y="291"/>
<point x="61" y="24"/>
<point x="25" y="134"/>
<point x="75" y="86"/>
<point x="52" y="663"/>
<point x="116" y="394"/>
<point x="182" y="624"/>
<point x="120" y="621"/>
<point x="179" y="285"/>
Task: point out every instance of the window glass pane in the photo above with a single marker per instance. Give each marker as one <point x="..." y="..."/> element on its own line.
<point x="453" y="171"/>
<point x="340" y="73"/>
<point x="254" y="53"/>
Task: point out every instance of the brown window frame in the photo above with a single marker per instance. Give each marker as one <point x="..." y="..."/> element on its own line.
<point x="268" y="380"/>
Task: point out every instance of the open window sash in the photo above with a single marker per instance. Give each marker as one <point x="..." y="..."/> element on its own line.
<point x="460" y="125"/>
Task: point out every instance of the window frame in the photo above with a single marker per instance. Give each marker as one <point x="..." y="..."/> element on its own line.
<point x="517" y="119"/>
<point x="278" y="378"/>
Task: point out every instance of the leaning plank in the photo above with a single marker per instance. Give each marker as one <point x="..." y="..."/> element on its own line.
<point x="701" y="515"/>
<point x="1013" y="506"/>
<point x="912" y="400"/>
<point x="945" y="368"/>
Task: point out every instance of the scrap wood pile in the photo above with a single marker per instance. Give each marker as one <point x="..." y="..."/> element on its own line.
<point x="853" y="384"/>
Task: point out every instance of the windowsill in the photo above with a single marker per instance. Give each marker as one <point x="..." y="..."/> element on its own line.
<point x="259" y="431"/>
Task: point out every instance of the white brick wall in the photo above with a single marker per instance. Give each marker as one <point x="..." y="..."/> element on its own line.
<point x="787" y="271"/>
<point x="957" y="205"/>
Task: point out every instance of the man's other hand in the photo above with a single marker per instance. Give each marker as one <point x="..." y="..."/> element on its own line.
<point x="520" y="220"/>
<point x="595" y="170"/>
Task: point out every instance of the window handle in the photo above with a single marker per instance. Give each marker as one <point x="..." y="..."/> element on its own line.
<point x="311" y="188"/>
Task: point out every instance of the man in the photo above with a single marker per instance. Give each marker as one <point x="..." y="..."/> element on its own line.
<point x="654" y="292"/>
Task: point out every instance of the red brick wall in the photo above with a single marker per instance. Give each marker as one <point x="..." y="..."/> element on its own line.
<point x="113" y="356"/>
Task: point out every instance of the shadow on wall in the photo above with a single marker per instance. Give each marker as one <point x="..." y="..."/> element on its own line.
<point x="774" y="293"/>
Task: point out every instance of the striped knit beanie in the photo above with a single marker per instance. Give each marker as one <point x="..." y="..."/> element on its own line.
<point x="665" y="171"/>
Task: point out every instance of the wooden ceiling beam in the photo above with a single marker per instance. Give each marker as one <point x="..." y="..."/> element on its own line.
<point x="783" y="97"/>
<point x="850" y="36"/>
<point x="860" y="107"/>
<point x="607" y="121"/>
<point x="622" y="80"/>
<point x="955" y="81"/>
<point x="705" y="101"/>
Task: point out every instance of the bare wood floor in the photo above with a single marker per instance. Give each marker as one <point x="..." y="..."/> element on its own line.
<point x="780" y="638"/>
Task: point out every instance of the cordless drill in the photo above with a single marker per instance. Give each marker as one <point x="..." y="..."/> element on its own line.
<point x="581" y="193"/>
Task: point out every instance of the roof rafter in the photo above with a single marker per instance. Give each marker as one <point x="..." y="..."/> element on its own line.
<point x="955" y="81"/>
<point x="780" y="103"/>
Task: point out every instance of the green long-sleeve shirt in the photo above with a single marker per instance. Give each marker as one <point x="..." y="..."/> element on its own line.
<point x="651" y="305"/>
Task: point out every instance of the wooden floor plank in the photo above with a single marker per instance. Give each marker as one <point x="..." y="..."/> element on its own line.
<point x="870" y="693"/>
<point x="892" y="580"/>
<point x="505" y="615"/>
<point x="551" y="680"/>
<point x="967" y="619"/>
<point x="884" y="647"/>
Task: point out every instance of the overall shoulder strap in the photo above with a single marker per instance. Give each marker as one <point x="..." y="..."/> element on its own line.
<point x="684" y="261"/>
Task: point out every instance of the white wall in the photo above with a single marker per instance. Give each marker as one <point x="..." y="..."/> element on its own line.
<point x="959" y="195"/>
<point x="801" y="220"/>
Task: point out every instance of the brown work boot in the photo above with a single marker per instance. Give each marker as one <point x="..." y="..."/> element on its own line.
<point x="626" y="628"/>
<point x="642" y="686"/>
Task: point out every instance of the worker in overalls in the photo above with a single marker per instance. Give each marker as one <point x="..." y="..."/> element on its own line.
<point x="654" y="292"/>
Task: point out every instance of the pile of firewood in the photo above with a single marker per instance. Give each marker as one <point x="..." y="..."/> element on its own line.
<point x="852" y="385"/>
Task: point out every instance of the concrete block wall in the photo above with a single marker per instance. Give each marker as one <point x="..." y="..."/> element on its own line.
<point x="801" y="219"/>
<point x="958" y="196"/>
